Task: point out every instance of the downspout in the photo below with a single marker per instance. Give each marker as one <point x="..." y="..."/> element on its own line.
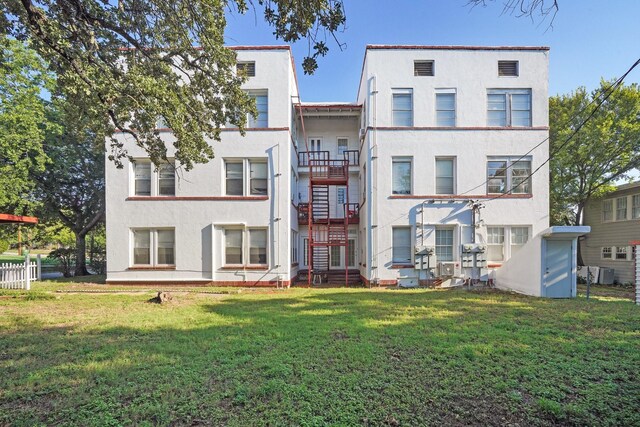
<point x="372" y="212"/>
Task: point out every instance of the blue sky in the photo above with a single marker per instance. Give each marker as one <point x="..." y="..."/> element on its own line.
<point x="589" y="39"/>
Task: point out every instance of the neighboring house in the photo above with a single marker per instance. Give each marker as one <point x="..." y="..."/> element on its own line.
<point x="435" y="154"/>
<point x="615" y="222"/>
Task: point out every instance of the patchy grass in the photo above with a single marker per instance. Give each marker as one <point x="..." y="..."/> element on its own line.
<point x="318" y="357"/>
<point x="16" y="259"/>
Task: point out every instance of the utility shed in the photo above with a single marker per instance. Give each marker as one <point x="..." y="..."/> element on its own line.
<point x="546" y="266"/>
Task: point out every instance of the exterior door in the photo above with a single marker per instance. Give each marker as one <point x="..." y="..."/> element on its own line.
<point x="337" y="255"/>
<point x="558" y="275"/>
<point x="341" y="199"/>
<point x="315" y="144"/>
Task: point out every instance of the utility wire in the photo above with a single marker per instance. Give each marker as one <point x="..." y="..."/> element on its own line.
<point x="602" y="100"/>
<point x="602" y="92"/>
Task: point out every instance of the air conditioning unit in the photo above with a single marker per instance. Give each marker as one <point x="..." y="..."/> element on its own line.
<point x="447" y="269"/>
<point x="362" y="133"/>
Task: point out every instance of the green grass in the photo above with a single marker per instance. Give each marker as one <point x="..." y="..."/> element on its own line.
<point x="318" y="357"/>
<point x="16" y="259"/>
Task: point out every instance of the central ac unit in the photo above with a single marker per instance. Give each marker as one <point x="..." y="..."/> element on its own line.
<point x="447" y="268"/>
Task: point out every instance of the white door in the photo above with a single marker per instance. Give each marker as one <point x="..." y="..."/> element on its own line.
<point x="558" y="277"/>
<point x="336" y="254"/>
<point x="341" y="199"/>
<point x="315" y="144"/>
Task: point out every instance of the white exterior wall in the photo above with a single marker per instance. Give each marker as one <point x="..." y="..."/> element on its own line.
<point x="470" y="73"/>
<point x="198" y="223"/>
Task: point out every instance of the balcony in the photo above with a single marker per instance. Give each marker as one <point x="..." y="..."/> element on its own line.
<point x="305" y="158"/>
<point x="350" y="210"/>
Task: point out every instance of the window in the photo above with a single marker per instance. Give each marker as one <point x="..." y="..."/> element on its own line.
<point x="262" y="106"/>
<point x="153" y="247"/>
<point x="402" y="107"/>
<point x="236" y="171"/>
<point x="509" y="107"/>
<point x="166" y="180"/>
<point x="506" y="175"/>
<point x="446" y="108"/>
<point x="147" y="182"/>
<point x="335" y="256"/>
<point x="444" y="176"/>
<point x="607" y="210"/>
<point x="258" y="177"/>
<point x="621" y="208"/>
<point x="258" y="246"/>
<point x="142" y="174"/>
<point x="401" y="176"/>
<point x="305" y="251"/>
<point x="444" y="244"/>
<point x="519" y="236"/>
<point x="495" y="243"/>
<point x="508" y="68"/>
<point x="401" y="245"/>
<point x="247" y="68"/>
<point x="294" y="247"/>
<point x="423" y="68"/>
<point x="343" y="145"/>
<point x="621" y="252"/>
<point x="607" y="252"/>
<point x="233" y="247"/>
<point x="635" y="207"/>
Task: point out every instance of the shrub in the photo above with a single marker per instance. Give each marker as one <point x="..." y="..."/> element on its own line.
<point x="4" y="246"/>
<point x="66" y="260"/>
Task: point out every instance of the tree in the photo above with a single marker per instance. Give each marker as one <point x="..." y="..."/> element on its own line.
<point x="71" y="189"/>
<point x="132" y="62"/>
<point x="23" y="122"/>
<point x="605" y="150"/>
<point x="545" y="9"/>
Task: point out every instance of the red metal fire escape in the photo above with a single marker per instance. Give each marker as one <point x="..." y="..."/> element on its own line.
<point x="325" y="230"/>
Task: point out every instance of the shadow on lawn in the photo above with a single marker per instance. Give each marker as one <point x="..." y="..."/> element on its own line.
<point x="335" y="357"/>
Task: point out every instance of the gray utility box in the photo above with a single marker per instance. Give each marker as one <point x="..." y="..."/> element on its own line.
<point x="606" y="276"/>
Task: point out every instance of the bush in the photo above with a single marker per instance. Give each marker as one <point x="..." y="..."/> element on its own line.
<point x="4" y="246"/>
<point x="66" y="260"/>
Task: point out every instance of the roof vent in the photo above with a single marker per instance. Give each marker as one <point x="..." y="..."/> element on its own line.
<point x="508" y="68"/>
<point x="423" y="68"/>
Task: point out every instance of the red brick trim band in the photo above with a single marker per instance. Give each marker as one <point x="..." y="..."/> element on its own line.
<point x="245" y="267"/>
<point x="198" y="198"/>
<point x="152" y="267"/>
<point x="459" y="197"/>
<point x="489" y="128"/>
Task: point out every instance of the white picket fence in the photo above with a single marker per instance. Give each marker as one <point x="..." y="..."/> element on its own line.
<point x="20" y="276"/>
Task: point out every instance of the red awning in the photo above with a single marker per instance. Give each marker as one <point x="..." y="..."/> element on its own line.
<point x="17" y="219"/>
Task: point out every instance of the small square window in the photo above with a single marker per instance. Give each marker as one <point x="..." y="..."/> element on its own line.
<point x="607" y="253"/>
<point x="247" y="68"/>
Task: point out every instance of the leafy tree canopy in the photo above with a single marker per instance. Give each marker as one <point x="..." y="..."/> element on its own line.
<point x="605" y="150"/>
<point x="23" y="122"/>
<point x="132" y="62"/>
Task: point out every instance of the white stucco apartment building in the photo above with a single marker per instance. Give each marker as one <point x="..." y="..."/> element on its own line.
<point x="423" y="178"/>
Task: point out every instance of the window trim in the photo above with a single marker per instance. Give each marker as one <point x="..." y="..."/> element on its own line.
<point x="508" y="93"/>
<point x="626" y="208"/>
<point x="507" y="244"/>
<point x="246" y="175"/>
<point x="411" y="241"/>
<point x="154" y="177"/>
<point x="610" y="252"/>
<point x="251" y="121"/>
<point x="454" y="237"/>
<point x="603" y="211"/>
<point x="153" y="247"/>
<point x="245" y="248"/>
<point x="266" y="246"/>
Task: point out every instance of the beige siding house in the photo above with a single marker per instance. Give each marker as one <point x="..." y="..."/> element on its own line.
<point x="615" y="222"/>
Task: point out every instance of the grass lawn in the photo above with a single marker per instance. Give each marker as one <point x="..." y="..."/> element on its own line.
<point x="318" y="357"/>
<point x="16" y="259"/>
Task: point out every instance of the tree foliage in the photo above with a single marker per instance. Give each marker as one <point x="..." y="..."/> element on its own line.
<point x="605" y="150"/>
<point x="131" y="62"/>
<point x="23" y="122"/>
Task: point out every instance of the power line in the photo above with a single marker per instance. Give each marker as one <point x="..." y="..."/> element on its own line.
<point x="602" y="100"/>
<point x="602" y="91"/>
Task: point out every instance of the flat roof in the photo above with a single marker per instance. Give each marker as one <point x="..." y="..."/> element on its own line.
<point x="17" y="219"/>
<point x="450" y="47"/>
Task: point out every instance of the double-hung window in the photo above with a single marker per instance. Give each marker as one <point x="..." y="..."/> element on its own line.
<point x="294" y="247"/>
<point x="246" y="177"/>
<point x="445" y="107"/>
<point x="495" y="243"/>
<point x="621" y="252"/>
<point x="509" y="107"/>
<point x="401" y="175"/>
<point x="635" y="207"/>
<point x="445" y="174"/>
<point x="508" y="175"/>
<point x="245" y="247"/>
<point x="519" y="236"/>
<point x="153" y="247"/>
<point x="401" y="245"/>
<point x="402" y="107"/>
<point x="621" y="208"/>
<point x="503" y="242"/>
<point x="262" y="107"/>
<point x="150" y="182"/>
<point x="607" y="252"/>
<point x="444" y="244"/>
<point x="607" y="210"/>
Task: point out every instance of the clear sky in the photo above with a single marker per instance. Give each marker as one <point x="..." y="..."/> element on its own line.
<point x="589" y="39"/>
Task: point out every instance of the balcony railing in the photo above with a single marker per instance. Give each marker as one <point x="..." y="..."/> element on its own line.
<point x="351" y="156"/>
<point x="351" y="210"/>
<point x="329" y="170"/>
